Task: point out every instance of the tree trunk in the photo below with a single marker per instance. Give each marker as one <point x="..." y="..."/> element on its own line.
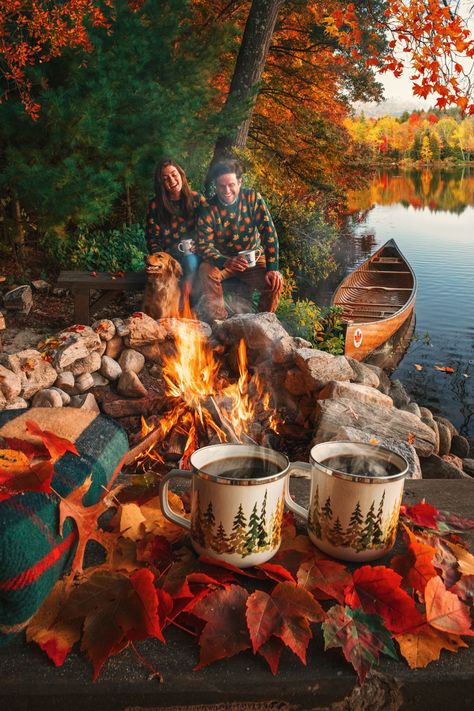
<point x="248" y="71"/>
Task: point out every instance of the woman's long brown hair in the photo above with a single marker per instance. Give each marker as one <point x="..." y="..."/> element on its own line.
<point x="166" y="207"/>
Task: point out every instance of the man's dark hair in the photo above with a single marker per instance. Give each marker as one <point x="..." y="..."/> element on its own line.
<point x="226" y="166"/>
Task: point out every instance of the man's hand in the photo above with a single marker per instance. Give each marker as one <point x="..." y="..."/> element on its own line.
<point x="236" y="264"/>
<point x="274" y="280"/>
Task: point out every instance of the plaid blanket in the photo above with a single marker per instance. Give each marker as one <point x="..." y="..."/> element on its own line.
<point x="33" y="555"/>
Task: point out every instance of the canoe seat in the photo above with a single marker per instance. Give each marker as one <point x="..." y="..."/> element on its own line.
<point x="386" y="260"/>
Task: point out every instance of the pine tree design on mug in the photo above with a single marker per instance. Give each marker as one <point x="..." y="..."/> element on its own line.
<point x="245" y="537"/>
<point x="363" y="532"/>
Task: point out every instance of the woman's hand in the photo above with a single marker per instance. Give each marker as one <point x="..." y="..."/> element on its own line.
<point x="274" y="280"/>
<point x="236" y="264"/>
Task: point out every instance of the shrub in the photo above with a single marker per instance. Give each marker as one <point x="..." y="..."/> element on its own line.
<point x="101" y="250"/>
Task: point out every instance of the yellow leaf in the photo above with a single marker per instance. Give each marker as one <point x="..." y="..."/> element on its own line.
<point x="13" y="461"/>
<point x="464" y="558"/>
<point x="444" y="368"/>
<point x="159" y="525"/>
<point x="418" y="366"/>
<point x="131" y="519"/>
<point x="424" y="646"/>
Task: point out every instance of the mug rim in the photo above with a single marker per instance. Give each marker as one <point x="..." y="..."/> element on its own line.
<point x="389" y="456"/>
<point x="274" y="455"/>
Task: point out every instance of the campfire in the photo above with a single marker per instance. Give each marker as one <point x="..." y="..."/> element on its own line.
<point x="203" y="402"/>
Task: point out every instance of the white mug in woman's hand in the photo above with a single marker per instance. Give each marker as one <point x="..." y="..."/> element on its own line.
<point x="186" y="246"/>
<point x="251" y="256"/>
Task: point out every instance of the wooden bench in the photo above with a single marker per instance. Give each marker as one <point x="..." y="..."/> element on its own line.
<point x="110" y="285"/>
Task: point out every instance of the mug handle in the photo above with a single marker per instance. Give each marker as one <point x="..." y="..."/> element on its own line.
<point x="180" y="249"/>
<point x="292" y="505"/>
<point x="163" y="491"/>
<point x="258" y="253"/>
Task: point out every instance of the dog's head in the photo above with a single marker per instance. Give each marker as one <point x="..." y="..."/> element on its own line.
<point x="162" y="264"/>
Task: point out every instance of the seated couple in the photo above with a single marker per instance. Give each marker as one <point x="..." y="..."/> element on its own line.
<point x="234" y="220"/>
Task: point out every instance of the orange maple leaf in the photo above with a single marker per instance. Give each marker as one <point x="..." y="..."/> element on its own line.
<point x="445" y="611"/>
<point x="424" y="646"/>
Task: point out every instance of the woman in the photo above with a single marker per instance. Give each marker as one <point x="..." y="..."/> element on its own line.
<point x="171" y="217"/>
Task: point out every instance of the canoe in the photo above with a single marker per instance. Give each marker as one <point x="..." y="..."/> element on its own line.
<point x="377" y="298"/>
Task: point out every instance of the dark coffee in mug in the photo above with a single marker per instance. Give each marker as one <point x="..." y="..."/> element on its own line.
<point x="241" y="468"/>
<point x="361" y="466"/>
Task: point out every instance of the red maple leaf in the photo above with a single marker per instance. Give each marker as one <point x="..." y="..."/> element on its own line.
<point x="32" y="477"/>
<point x="416" y="564"/>
<point x="286" y="614"/>
<point x="56" y="446"/>
<point x="377" y="590"/>
<point x="422" y="514"/>
<point x="225" y="633"/>
<point x="445" y="611"/>
<point x="320" y="575"/>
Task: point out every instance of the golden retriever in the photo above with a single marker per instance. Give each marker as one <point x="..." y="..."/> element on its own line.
<point x="162" y="292"/>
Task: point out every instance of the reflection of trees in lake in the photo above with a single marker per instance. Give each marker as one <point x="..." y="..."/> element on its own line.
<point x="437" y="190"/>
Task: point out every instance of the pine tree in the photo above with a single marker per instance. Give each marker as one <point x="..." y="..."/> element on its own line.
<point x="378" y="532"/>
<point x="354" y="528"/>
<point x="314" y="518"/>
<point x="251" y="539"/>
<point x="275" y="534"/>
<point x="366" y="538"/>
<point x="336" y="533"/>
<point x="327" y="510"/>
<point x="220" y="542"/>
<point x="197" y="531"/>
<point x="208" y="523"/>
<point x="237" y="536"/>
<point x="262" y="524"/>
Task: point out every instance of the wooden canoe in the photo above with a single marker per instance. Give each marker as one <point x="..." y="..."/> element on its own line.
<point x="376" y="298"/>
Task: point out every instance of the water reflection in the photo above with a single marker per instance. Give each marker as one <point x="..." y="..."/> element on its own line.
<point x="430" y="215"/>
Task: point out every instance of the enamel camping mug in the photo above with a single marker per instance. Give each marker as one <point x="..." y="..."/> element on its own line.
<point x="237" y="502"/>
<point x="251" y="256"/>
<point x="355" y="497"/>
<point x="185" y="246"/>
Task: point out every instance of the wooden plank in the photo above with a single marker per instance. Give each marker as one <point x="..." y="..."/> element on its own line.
<point x="81" y="306"/>
<point x="103" y="280"/>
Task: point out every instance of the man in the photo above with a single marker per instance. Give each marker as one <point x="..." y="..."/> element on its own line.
<point x="236" y="219"/>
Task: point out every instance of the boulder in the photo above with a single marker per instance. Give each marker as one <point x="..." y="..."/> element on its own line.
<point x="445" y="438"/>
<point x="86" y="365"/>
<point x="109" y="368"/>
<point x="66" y="382"/>
<point x="425" y="412"/>
<point x="18" y="404"/>
<point x="398" y="394"/>
<point x="414" y="408"/>
<point x="294" y="382"/>
<point x="47" y="398"/>
<point x="260" y="331"/>
<point x="459" y="445"/>
<point x="131" y="360"/>
<point x="105" y="329"/>
<point x="353" y="434"/>
<point x="143" y="330"/>
<point x="434" y="467"/>
<point x="98" y="380"/>
<point x="85" y="402"/>
<point x="10" y="384"/>
<point x="65" y="397"/>
<point x="383" y="421"/>
<point x="72" y="348"/>
<point x="84" y="382"/>
<point x="363" y="374"/>
<point x="35" y="372"/>
<point x="447" y="423"/>
<point x="130" y="385"/>
<point x="362" y="393"/>
<point x="318" y="367"/>
<point x="432" y="425"/>
<point x="19" y="299"/>
<point x="468" y="466"/>
<point x="284" y="349"/>
<point x="120" y="328"/>
<point x="114" y="347"/>
<point x="41" y="285"/>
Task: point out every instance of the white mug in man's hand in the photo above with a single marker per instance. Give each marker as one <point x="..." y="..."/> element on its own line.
<point x="251" y="256"/>
<point x="186" y="246"/>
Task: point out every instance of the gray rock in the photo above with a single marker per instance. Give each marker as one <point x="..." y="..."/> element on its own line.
<point x="384" y="421"/>
<point x="130" y="385"/>
<point x="432" y="424"/>
<point x="47" y="398"/>
<point x="131" y="360"/>
<point x="85" y="402"/>
<point x="10" y="384"/>
<point x="444" y="438"/>
<point x="75" y="349"/>
<point x="114" y="347"/>
<point x="425" y="412"/>
<point x="414" y="408"/>
<point x="109" y="368"/>
<point x="120" y="328"/>
<point x="319" y="368"/>
<point x="18" y="404"/>
<point x="65" y="397"/>
<point x="433" y="467"/>
<point x="362" y="393"/>
<point x="284" y="349"/>
<point x="398" y="394"/>
<point x="19" y="299"/>
<point x="459" y="445"/>
<point x="363" y="374"/>
<point x="35" y="372"/>
<point x="85" y="365"/>
<point x="468" y="465"/>
<point x="294" y="382"/>
<point x="65" y="382"/>
<point x="447" y="424"/>
<point x="353" y="434"/>
<point x="143" y="330"/>
<point x="41" y="285"/>
<point x="260" y="331"/>
<point x="154" y="352"/>
<point x="84" y="382"/>
<point x="105" y="329"/>
<point x="98" y="380"/>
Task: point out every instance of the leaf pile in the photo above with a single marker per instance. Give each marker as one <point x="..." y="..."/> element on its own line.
<point x="151" y="580"/>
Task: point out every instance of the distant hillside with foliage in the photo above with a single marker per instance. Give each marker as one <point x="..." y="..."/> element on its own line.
<point x="421" y="137"/>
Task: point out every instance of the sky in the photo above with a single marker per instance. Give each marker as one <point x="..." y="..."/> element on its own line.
<point x="398" y="97"/>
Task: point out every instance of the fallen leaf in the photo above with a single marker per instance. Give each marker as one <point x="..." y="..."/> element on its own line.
<point x="444" y="368"/>
<point x="452" y="520"/>
<point x="444" y="610"/>
<point x="157" y="524"/>
<point x="326" y="576"/>
<point x="34" y="477"/>
<point x="464" y="558"/>
<point x="131" y="519"/>
<point x="374" y="441"/>
<point x="411" y="438"/>
<point x="418" y="366"/>
<point x="422" y="514"/>
<point x="93" y="274"/>
<point x="225" y="633"/>
<point x="362" y="637"/>
<point x="377" y="590"/>
<point x="464" y="588"/>
<point x="424" y="646"/>
<point x="416" y="564"/>
<point x="56" y="446"/>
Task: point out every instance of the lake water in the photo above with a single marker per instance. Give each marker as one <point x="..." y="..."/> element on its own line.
<point x="430" y="214"/>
